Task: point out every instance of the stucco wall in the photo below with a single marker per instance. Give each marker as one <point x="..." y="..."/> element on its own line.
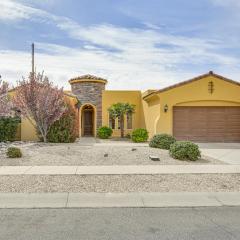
<point x="28" y="131"/>
<point x="132" y="97"/>
<point x="196" y="94"/>
<point x="151" y="114"/>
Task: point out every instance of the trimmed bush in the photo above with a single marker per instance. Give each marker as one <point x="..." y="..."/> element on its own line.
<point x="139" y="135"/>
<point x="162" y="141"/>
<point x="13" y="152"/>
<point x="185" y="150"/>
<point x="104" y="132"/>
<point x="8" y="128"/>
<point x="64" y="129"/>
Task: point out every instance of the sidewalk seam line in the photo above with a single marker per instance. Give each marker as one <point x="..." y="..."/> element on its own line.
<point x="66" y="205"/>
<point x="141" y="198"/>
<point x="216" y="198"/>
<point x="27" y="170"/>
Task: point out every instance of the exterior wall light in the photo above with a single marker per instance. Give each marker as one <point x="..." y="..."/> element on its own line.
<point x="165" y="108"/>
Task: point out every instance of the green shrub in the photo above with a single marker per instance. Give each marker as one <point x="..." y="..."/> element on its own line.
<point x="185" y="150"/>
<point x="64" y="129"/>
<point x="104" y="132"/>
<point x="140" y="135"/>
<point x="13" y="152"/>
<point x="162" y="141"/>
<point x="8" y="128"/>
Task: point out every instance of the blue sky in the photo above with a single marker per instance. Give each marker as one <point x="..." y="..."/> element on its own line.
<point x="135" y="44"/>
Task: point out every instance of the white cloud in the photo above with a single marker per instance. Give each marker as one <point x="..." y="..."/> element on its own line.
<point x="129" y="58"/>
<point x="227" y="3"/>
<point x="141" y="44"/>
<point x="12" y="10"/>
<point x="123" y="70"/>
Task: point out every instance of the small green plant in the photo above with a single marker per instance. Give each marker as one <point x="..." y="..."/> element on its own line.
<point x="185" y="150"/>
<point x="14" y="152"/>
<point x="162" y="141"/>
<point x="104" y="132"/>
<point x="139" y="135"/>
<point x="8" y="128"/>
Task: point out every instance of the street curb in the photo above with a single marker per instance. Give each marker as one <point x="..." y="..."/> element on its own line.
<point x="119" y="200"/>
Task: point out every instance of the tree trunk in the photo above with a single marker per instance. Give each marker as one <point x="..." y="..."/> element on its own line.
<point x="44" y="138"/>
<point x="122" y="126"/>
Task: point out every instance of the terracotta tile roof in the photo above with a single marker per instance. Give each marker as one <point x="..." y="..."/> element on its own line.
<point x="88" y="76"/>
<point x="211" y="73"/>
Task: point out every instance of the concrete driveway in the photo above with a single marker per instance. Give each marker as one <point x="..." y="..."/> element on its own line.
<point x="226" y="152"/>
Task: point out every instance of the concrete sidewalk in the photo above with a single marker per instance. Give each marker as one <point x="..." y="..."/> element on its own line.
<point x="107" y="200"/>
<point x="230" y="156"/>
<point x="119" y="170"/>
<point x="225" y="152"/>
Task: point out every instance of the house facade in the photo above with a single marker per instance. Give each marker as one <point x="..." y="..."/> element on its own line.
<point x="205" y="108"/>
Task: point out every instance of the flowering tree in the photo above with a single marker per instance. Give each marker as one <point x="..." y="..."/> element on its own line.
<point x="40" y="102"/>
<point x="5" y="104"/>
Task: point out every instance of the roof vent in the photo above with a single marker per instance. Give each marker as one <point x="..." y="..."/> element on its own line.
<point x="211" y="72"/>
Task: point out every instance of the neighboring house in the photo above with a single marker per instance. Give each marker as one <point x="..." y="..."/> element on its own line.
<point x="205" y="108"/>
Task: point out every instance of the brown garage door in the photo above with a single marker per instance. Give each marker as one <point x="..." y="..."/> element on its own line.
<point x="213" y="124"/>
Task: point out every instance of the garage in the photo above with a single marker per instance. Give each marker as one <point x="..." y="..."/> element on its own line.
<point x="207" y="124"/>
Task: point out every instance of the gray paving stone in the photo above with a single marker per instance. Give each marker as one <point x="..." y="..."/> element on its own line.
<point x="104" y="200"/>
<point x="33" y="200"/>
<point x="13" y="170"/>
<point x="179" y="200"/>
<point x="52" y="170"/>
<point x="230" y="199"/>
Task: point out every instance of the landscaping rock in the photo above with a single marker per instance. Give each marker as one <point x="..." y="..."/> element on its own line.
<point x="121" y="183"/>
<point x="81" y="154"/>
<point x="154" y="158"/>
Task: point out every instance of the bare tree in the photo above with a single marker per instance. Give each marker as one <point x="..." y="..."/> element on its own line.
<point x="40" y="102"/>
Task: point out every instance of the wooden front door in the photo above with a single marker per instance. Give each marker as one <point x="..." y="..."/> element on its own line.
<point x="88" y="123"/>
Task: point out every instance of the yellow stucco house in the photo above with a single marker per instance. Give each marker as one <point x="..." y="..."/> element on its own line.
<point x="205" y="108"/>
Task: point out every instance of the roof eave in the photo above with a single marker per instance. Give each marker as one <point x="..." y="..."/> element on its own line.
<point x="192" y="80"/>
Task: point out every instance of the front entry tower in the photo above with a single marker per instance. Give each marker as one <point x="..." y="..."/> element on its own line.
<point x="88" y="89"/>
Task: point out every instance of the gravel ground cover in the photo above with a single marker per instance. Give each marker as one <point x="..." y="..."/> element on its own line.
<point x="122" y="183"/>
<point x="91" y="154"/>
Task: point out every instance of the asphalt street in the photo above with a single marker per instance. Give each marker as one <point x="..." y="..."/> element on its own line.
<point x="220" y="223"/>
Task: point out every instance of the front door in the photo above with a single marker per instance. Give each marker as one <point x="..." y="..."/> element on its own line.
<point x="88" y="123"/>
